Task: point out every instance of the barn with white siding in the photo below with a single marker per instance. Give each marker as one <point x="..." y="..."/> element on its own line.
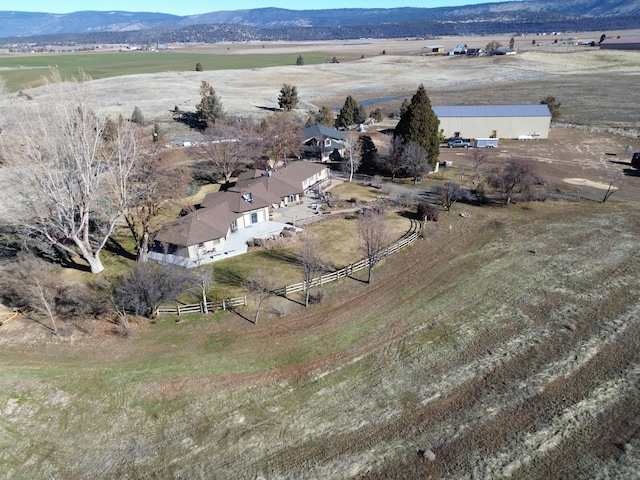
<point x="499" y="121"/>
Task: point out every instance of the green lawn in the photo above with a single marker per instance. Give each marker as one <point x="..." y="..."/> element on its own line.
<point x="21" y="72"/>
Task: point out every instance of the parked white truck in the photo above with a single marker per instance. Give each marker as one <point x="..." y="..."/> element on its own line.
<point x="485" y="142"/>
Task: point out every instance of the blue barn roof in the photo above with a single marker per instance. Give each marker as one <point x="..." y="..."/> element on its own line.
<point x="536" y="110"/>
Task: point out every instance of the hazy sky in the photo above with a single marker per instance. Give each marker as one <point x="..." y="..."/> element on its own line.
<point x="192" y="7"/>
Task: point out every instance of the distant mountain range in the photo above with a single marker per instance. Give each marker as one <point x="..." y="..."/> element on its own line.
<point x="348" y="23"/>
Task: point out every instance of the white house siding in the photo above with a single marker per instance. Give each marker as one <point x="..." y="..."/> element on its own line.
<point x="204" y="250"/>
<point x="263" y="216"/>
<point x="315" y="178"/>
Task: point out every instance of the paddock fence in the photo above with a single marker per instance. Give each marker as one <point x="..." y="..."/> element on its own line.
<point x="228" y="304"/>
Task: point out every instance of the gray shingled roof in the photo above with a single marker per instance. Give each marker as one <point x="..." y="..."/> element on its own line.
<point x="318" y="129"/>
<point x="535" y="110"/>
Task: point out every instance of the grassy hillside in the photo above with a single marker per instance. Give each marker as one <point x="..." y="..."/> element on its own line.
<point x="507" y="344"/>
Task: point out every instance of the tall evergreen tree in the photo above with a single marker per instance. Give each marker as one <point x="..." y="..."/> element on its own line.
<point x="325" y="116"/>
<point x="210" y="107"/>
<point x="368" y="155"/>
<point x="420" y="124"/>
<point x="288" y="99"/>
<point x="137" y="116"/>
<point x="350" y="114"/>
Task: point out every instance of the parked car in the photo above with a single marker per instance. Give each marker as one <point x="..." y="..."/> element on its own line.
<point x="458" y="143"/>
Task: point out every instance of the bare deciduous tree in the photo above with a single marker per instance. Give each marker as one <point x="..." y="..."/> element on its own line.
<point x="415" y="160"/>
<point x="281" y="136"/>
<point x="374" y="236"/>
<point x="478" y="159"/>
<point x="149" y="285"/>
<point x="449" y="194"/>
<point x="616" y="182"/>
<point x="259" y="286"/>
<point x="514" y="176"/>
<point x="32" y="284"/>
<point x="154" y="186"/>
<point x="204" y="279"/>
<point x="72" y="179"/>
<point x="310" y="261"/>
<point x="352" y="159"/>
<point x="393" y="159"/>
<point x="224" y="150"/>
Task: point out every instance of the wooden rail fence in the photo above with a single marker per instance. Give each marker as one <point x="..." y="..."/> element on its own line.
<point x="226" y="304"/>
<point x="287" y="290"/>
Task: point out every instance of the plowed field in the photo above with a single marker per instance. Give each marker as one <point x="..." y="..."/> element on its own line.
<point x="508" y="346"/>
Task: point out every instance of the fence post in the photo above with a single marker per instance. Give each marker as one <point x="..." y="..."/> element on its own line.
<point x="178" y="308"/>
<point x="224" y="306"/>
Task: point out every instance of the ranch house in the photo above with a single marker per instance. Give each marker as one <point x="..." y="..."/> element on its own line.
<point x="225" y="221"/>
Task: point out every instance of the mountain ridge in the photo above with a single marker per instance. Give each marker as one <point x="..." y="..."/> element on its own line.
<point x="270" y="23"/>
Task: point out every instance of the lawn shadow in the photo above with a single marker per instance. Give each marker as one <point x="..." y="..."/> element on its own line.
<point x="281" y="256"/>
<point x="116" y="248"/>
<point x="226" y="276"/>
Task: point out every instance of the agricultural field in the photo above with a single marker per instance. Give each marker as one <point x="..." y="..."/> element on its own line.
<point x="503" y="344"/>
<point x="20" y="72"/>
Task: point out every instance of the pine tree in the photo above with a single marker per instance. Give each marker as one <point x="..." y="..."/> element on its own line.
<point x="350" y="114"/>
<point x="324" y="116"/>
<point x="368" y="155"/>
<point x="137" y="116"/>
<point x="288" y="99"/>
<point x="554" y="107"/>
<point x="420" y="124"/>
<point x="210" y="107"/>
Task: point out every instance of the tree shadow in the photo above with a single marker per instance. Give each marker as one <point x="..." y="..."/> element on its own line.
<point x="62" y="258"/>
<point x="268" y="109"/>
<point x="226" y="276"/>
<point x="237" y="312"/>
<point x="116" y="248"/>
<point x="42" y="324"/>
<point x="619" y="162"/>
<point x="361" y="280"/>
<point x="631" y="172"/>
<point x="281" y="256"/>
<point x="190" y="119"/>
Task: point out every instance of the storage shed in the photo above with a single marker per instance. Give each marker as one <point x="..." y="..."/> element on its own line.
<point x="496" y="121"/>
<point x="433" y="48"/>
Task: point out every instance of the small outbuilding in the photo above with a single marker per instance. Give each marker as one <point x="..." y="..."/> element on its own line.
<point x="494" y="121"/>
<point x="433" y="48"/>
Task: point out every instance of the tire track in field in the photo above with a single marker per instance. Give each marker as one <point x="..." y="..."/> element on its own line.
<point x="473" y="387"/>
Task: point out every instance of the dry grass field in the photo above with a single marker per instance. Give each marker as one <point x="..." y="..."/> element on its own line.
<point x="505" y="344"/>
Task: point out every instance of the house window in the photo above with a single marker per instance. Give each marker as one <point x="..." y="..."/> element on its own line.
<point x="234" y="226"/>
<point x="201" y="245"/>
<point x="216" y="241"/>
<point x="327" y="142"/>
<point x="254" y="218"/>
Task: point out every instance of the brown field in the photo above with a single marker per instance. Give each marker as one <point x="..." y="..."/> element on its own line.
<point x="505" y="344"/>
